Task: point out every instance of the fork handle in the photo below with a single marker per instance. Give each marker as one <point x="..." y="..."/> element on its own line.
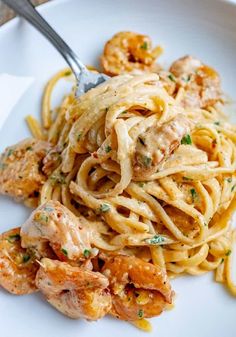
<point x="25" y="9"/>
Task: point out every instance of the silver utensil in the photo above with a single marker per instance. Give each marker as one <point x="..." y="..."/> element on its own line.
<point x="85" y="79"/>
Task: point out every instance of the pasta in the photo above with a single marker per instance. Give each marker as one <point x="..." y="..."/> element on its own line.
<point x="173" y="216"/>
<point x="175" y="210"/>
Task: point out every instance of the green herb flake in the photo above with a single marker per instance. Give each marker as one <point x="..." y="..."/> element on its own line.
<point x="217" y="123"/>
<point x="13" y="238"/>
<point x="147" y="161"/>
<point x="222" y="260"/>
<point x="232" y="189"/>
<point x="140" y="184"/>
<point x="107" y="149"/>
<point x="44" y="217"/>
<point x="186" y="140"/>
<point x="67" y="73"/>
<point x="172" y="77"/>
<point x="140" y="313"/>
<point x="193" y="193"/>
<point x="87" y="253"/>
<point x="124" y="112"/>
<point x="187" y="178"/>
<point x="79" y="136"/>
<point x="10" y="152"/>
<point x="26" y="258"/>
<point x="64" y="251"/>
<point x="29" y="148"/>
<point x="48" y="209"/>
<point x="228" y="252"/>
<point x="141" y="141"/>
<point x="187" y="79"/>
<point x="156" y="240"/>
<point x="229" y="180"/>
<point x="144" y="46"/>
<point x="58" y="178"/>
<point x="104" y="208"/>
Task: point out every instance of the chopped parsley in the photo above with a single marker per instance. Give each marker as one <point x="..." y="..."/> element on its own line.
<point x="187" y="79"/>
<point x="14" y="237"/>
<point x="10" y="152"/>
<point x="44" y="217"/>
<point x="107" y="149"/>
<point x="217" y="123"/>
<point x="87" y="253"/>
<point x="144" y="46"/>
<point x="140" y="184"/>
<point x="141" y="141"/>
<point x="222" y="260"/>
<point x="104" y="208"/>
<point x="58" y="178"/>
<point x="232" y="189"/>
<point x="193" y="193"/>
<point x="29" y="148"/>
<point x="64" y="251"/>
<point x="228" y="252"/>
<point x="171" y="77"/>
<point x="140" y="313"/>
<point x="156" y="240"/>
<point x="124" y="112"/>
<point x="79" y="136"/>
<point x="48" y="209"/>
<point x="187" y="178"/>
<point x="67" y="73"/>
<point x="186" y="140"/>
<point x="229" y="180"/>
<point x="26" y="258"/>
<point x="147" y="161"/>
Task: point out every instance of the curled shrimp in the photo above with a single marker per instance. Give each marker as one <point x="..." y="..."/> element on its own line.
<point x="52" y="224"/>
<point x="129" y="52"/>
<point x="75" y="292"/>
<point x="156" y="144"/>
<point x="201" y="83"/>
<point x="21" y="176"/>
<point x="18" y="267"/>
<point x="139" y="289"/>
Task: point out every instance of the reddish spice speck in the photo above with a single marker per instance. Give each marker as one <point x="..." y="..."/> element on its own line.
<point x="214" y="144"/>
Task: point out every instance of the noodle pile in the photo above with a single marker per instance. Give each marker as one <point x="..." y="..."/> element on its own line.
<point x="178" y="217"/>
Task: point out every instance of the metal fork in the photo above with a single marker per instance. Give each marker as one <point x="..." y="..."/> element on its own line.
<point x="85" y="79"/>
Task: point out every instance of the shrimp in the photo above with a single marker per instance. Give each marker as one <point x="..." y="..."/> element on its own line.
<point x="18" y="267"/>
<point x="156" y="144"/>
<point x="75" y="292"/>
<point x="129" y="52"/>
<point x="52" y="224"/>
<point x="139" y="289"/>
<point x="201" y="83"/>
<point x="20" y="169"/>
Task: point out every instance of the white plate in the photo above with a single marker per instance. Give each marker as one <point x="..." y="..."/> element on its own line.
<point x="204" y="28"/>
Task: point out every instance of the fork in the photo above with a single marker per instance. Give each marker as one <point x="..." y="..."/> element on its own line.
<point x="85" y="79"/>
